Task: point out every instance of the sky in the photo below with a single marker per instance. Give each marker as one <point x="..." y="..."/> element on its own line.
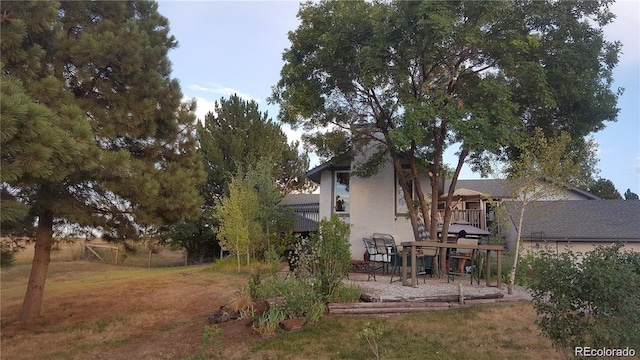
<point x="228" y="47"/>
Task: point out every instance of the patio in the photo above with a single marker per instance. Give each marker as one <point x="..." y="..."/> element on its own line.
<point x="380" y="296"/>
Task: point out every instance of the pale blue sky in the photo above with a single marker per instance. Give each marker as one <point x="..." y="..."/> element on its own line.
<point x="231" y="47"/>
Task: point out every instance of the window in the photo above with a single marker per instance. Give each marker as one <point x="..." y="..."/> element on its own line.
<point x="401" y="204"/>
<point x="341" y="187"/>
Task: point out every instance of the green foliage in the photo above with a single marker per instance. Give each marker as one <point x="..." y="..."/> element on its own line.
<point x="236" y="137"/>
<point x="268" y="321"/>
<point x="194" y="235"/>
<point x="324" y="258"/>
<point x="237" y="216"/>
<point x="299" y="296"/>
<point x="589" y="299"/>
<point x="630" y="195"/>
<point x="347" y="293"/>
<point x="250" y="215"/>
<point x="543" y="169"/>
<point x="7" y="257"/>
<point x="605" y="189"/>
<point x="211" y="337"/>
<point x="373" y="335"/>
<point x="93" y="128"/>
<point x="272" y="258"/>
<point x="417" y="77"/>
<point x="322" y="262"/>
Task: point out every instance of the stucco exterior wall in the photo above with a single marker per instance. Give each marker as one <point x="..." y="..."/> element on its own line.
<point x="370" y="208"/>
<point x="326" y="194"/>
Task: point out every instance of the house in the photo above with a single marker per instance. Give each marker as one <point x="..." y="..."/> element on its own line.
<point x="376" y="204"/>
<point x="577" y="225"/>
<point x="304" y="209"/>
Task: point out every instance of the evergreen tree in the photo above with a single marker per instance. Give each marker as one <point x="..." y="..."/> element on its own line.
<point x="236" y="136"/>
<point x="605" y="189"/>
<point x="630" y="195"/>
<point x="93" y="128"/>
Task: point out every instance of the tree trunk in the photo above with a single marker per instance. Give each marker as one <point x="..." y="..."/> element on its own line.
<point x="516" y="252"/>
<point x="32" y="303"/>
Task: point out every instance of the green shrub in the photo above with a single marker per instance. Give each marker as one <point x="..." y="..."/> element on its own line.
<point x="7" y="257"/>
<point x="321" y="262"/>
<point x="324" y="258"/>
<point x="588" y="300"/>
<point x="272" y="258"/>
<point x="211" y="338"/>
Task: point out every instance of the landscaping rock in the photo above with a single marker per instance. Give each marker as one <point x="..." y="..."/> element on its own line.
<point x="292" y="324"/>
<point x="219" y="317"/>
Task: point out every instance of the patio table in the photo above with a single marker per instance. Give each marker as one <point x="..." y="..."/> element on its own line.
<point x="414" y="245"/>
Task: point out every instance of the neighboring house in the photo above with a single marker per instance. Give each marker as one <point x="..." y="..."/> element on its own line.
<point x="375" y="204"/>
<point x="305" y="211"/>
<point x="577" y="225"/>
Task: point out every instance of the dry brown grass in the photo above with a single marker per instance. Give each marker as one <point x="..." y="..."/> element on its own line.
<point x="102" y="311"/>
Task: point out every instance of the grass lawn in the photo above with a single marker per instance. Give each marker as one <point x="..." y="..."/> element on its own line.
<point x="95" y="310"/>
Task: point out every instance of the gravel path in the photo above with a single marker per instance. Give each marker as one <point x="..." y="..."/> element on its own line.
<point x="382" y="290"/>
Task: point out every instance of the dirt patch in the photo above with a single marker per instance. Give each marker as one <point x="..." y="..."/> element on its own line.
<point x="237" y="338"/>
<point x="127" y="313"/>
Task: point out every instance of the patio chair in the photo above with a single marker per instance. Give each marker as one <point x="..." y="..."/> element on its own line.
<point x="376" y="257"/>
<point x="429" y="255"/>
<point x="462" y="261"/>
<point x="395" y="256"/>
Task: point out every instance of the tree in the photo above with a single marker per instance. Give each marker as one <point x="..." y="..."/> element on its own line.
<point x="93" y="128"/>
<point x="605" y="189"/>
<point x="629" y="195"/>
<point x="417" y="77"/>
<point x="269" y="215"/>
<point x="237" y="215"/>
<point x="544" y="169"/>
<point x="197" y="236"/>
<point x="236" y="136"/>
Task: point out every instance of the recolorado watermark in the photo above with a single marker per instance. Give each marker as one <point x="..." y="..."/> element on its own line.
<point x="587" y="351"/>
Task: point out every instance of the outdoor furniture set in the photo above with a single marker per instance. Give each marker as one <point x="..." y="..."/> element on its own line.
<point x="456" y="258"/>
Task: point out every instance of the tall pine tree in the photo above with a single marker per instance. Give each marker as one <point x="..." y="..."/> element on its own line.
<point x="236" y="136"/>
<point x="93" y="129"/>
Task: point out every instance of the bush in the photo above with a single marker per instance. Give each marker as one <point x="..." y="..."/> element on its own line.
<point x="589" y="300"/>
<point x="324" y="258"/>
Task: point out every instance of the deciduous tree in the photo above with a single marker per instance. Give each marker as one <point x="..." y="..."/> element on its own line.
<point x="416" y="77"/>
<point x="93" y="128"/>
<point x="630" y="195"/>
<point x="237" y="213"/>
<point x="543" y="170"/>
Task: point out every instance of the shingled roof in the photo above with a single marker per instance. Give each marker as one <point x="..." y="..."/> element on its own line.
<point x="577" y="220"/>
<point x="501" y="189"/>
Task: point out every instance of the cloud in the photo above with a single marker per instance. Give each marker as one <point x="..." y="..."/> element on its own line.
<point x="292" y="135"/>
<point x="625" y="28"/>
<point x="203" y="106"/>
<point x="222" y="90"/>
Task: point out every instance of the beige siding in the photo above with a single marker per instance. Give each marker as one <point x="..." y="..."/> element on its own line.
<point x="561" y="246"/>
